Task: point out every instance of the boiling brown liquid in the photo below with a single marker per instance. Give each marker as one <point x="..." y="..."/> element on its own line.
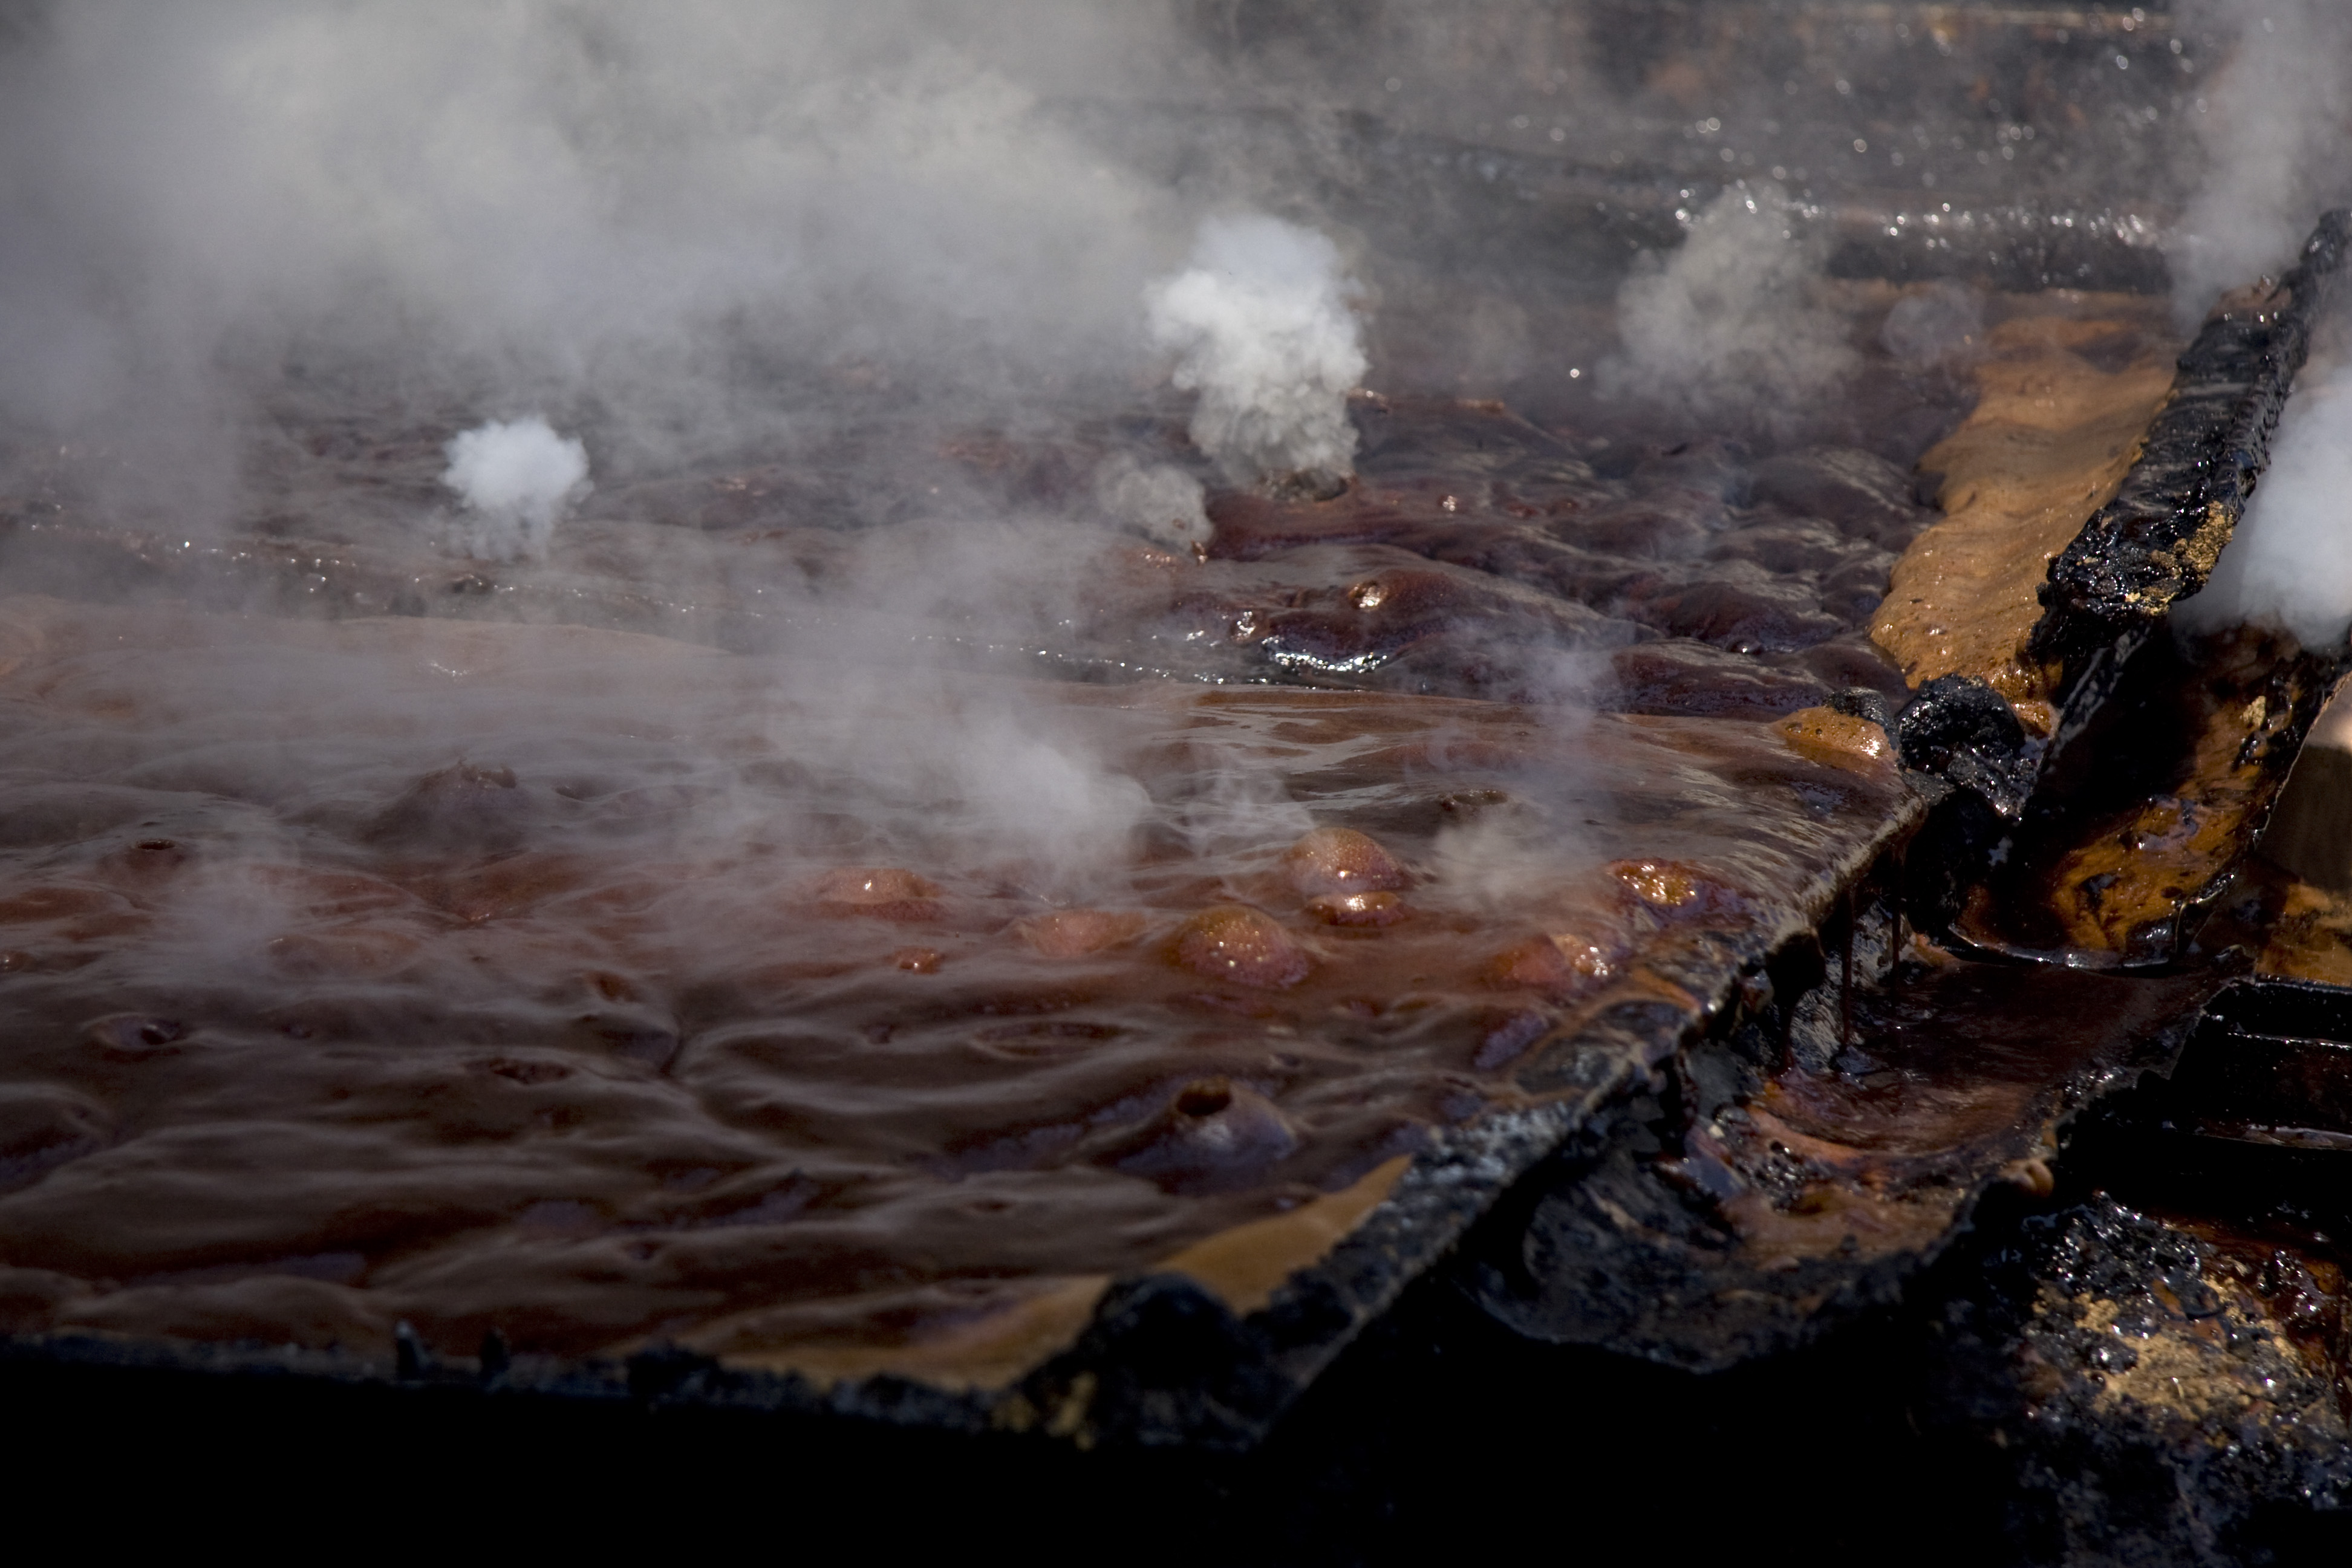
<point x="549" y="980"/>
<point x="834" y="1003"/>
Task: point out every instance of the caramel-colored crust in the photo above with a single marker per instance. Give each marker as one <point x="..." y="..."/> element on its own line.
<point x="1246" y="1264"/>
<point x="2051" y="440"/>
<point x="2115" y="877"/>
<point x="987" y="1355"/>
<point x="1842" y="740"/>
<point x="1242" y="1266"/>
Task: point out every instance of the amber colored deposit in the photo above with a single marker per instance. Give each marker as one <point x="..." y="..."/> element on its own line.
<point x="2052" y="437"/>
<point x="2112" y="883"/>
<point x="2173" y="848"/>
<point x="1840" y="739"/>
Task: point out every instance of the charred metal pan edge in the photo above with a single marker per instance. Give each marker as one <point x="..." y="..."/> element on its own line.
<point x="2158" y="540"/>
<point x="2112" y="588"/>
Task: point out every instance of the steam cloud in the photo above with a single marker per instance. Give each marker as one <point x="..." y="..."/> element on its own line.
<point x="2272" y="127"/>
<point x="704" y="235"/>
<point x="1263" y="327"/>
<point x="683" y="230"/>
<point x="676" y="215"/>
<point x="1162" y="503"/>
<point x="2287" y="567"/>
<point x="1935" y="324"/>
<point x="517" y="480"/>
<point x="1728" y="322"/>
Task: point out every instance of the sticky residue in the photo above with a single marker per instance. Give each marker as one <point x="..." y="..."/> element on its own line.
<point x="2051" y="439"/>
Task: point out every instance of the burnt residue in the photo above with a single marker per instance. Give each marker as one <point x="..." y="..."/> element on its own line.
<point x="2141" y="825"/>
<point x="1804" y="1167"/>
<point x="1960" y="729"/>
<point x="2150" y="1363"/>
<point x="2110" y="841"/>
<point x="1164" y="1362"/>
<point x="2160" y="1356"/>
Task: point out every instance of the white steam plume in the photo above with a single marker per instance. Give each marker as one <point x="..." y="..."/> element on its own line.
<point x="1729" y="322"/>
<point x="1162" y="503"/>
<point x="2272" y="127"/>
<point x="1264" y="329"/>
<point x="653" y="207"/>
<point x="1932" y="325"/>
<point x="517" y="479"/>
<point x="2289" y="566"/>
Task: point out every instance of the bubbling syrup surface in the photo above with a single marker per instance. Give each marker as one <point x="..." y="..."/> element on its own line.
<point x="596" y="988"/>
<point x="818" y="1003"/>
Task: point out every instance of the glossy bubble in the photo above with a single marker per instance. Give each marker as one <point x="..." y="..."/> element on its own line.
<point x="1075" y="933"/>
<point x="1563" y="964"/>
<point x="1214" y="1132"/>
<point x="1248" y="946"/>
<point x="1341" y="860"/>
<point x="132" y="1036"/>
<point x="882" y="893"/>
<point x="1372" y="909"/>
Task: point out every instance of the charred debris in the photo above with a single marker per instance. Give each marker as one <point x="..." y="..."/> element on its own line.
<point x="2031" y="891"/>
<point x="2024" y="1082"/>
